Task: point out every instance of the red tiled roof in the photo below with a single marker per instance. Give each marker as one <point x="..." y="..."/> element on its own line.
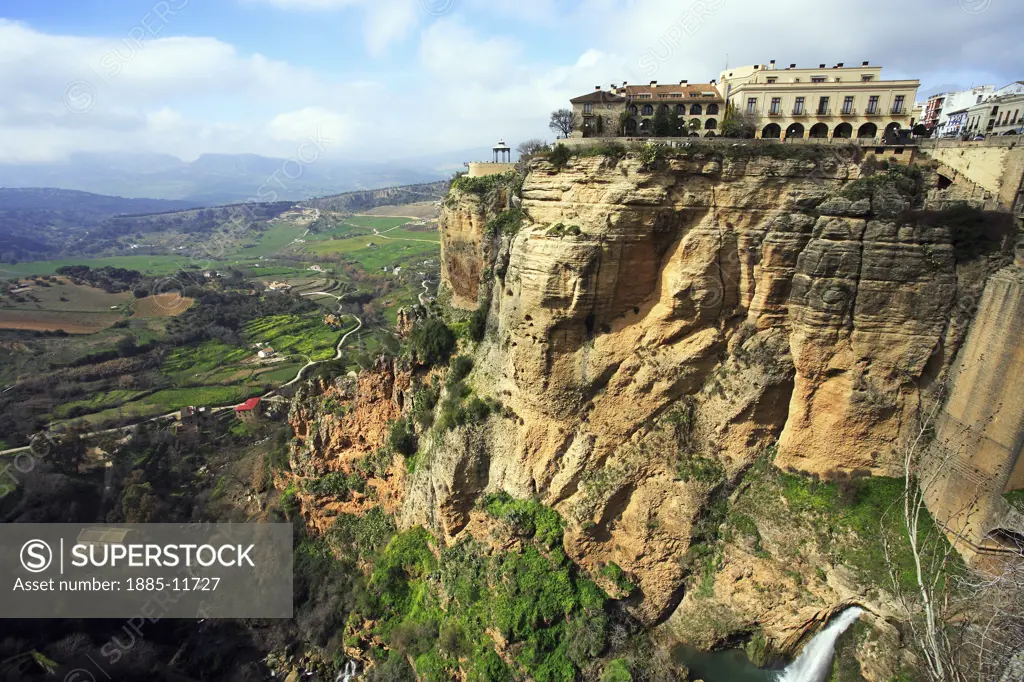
<point x="689" y="91"/>
<point x="248" y="405"/>
<point x="598" y="97"/>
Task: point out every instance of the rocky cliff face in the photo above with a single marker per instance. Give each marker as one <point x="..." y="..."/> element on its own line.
<point x="652" y="329"/>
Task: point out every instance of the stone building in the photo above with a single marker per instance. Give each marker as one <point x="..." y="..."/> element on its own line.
<point x="250" y="411"/>
<point x="837" y="102"/>
<point x="630" y="110"/>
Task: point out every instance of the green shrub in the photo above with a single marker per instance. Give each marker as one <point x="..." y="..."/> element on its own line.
<point x="334" y="484"/>
<point x="413" y="638"/>
<point x="559" y="156"/>
<point x="361" y="536"/>
<point x="617" y="670"/>
<point x="508" y="222"/>
<point x="614" y="572"/>
<point x="487" y="666"/>
<point x="401" y="437"/>
<point x="527" y="518"/>
<point x="478" y="321"/>
<point x="395" y="669"/>
<point x="423" y="402"/>
<point x="611" y="149"/>
<point x="460" y="368"/>
<point x="700" y="468"/>
<point x="432" y="341"/>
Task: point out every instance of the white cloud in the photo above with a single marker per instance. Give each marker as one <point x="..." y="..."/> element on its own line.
<point x="469" y="82"/>
<point x="452" y="51"/>
<point x="384" y="22"/>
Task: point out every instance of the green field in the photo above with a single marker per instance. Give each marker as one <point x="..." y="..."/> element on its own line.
<point x="275" y="238"/>
<point x="154" y="265"/>
<point x="373" y="258"/>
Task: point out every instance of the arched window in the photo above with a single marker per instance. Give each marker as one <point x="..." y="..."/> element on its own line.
<point x="711" y="124"/>
<point x="631" y="126"/>
<point x="648" y="110"/>
<point x="696" y="109"/>
<point x="694" y="124"/>
<point x="843" y="130"/>
<point x="632" y="110"/>
<point x="819" y="130"/>
<point x="867" y="130"/>
<point x="772" y="131"/>
<point x="796" y="131"/>
<point x="680" y="109"/>
<point x="712" y="109"/>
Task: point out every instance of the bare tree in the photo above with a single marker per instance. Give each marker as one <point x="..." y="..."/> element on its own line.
<point x="528" y="148"/>
<point x="563" y="121"/>
<point x="966" y="622"/>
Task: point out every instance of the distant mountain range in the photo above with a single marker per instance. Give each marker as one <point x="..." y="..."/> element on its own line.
<point x="364" y="200"/>
<point x="41" y="222"/>
<point x="214" y="179"/>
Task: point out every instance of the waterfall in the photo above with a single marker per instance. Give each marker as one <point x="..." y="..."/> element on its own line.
<point x="814" y="662"/>
<point x="347" y="673"/>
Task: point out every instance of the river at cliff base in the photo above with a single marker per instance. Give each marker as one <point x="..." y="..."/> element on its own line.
<point x="729" y="665"/>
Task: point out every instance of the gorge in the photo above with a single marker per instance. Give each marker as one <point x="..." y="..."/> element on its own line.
<point x="710" y="363"/>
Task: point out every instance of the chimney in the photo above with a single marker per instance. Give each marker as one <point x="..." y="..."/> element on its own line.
<point x="683" y="82"/>
<point x="821" y="66"/>
<point x="839" y="65"/>
<point x="864" y="64"/>
<point x="772" y="63"/>
<point x="597" y="87"/>
<point x="712" y="81"/>
<point x="654" y="84"/>
<point x="792" y="66"/>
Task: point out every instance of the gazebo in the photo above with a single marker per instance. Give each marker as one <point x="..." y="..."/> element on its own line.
<point x="502" y="153"/>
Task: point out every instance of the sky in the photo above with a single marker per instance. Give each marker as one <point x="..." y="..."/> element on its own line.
<point x="381" y="80"/>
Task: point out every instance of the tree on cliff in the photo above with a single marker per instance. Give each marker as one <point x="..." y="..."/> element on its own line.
<point x="432" y="341"/>
<point x="563" y="122"/>
<point x="736" y="123"/>
<point x="528" y="148"/>
<point x="966" y="622"/>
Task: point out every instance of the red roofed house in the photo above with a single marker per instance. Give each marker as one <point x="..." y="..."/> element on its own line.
<point x="694" y="109"/>
<point x="249" y="411"/>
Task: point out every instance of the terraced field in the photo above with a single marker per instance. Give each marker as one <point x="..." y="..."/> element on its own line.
<point x="294" y="335"/>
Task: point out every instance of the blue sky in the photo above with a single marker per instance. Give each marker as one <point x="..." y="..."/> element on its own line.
<point x="387" y="79"/>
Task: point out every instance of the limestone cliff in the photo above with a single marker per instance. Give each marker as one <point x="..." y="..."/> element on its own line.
<point x="653" y="326"/>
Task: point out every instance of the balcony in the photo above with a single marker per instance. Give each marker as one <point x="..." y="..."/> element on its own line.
<point x="823" y="112"/>
<point x="799" y="112"/>
<point x="774" y="112"/>
<point x="896" y="111"/>
<point x="850" y="111"/>
<point x="872" y="112"/>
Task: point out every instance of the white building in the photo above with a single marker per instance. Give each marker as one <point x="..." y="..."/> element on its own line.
<point x="1000" y="115"/>
<point x="957" y="101"/>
